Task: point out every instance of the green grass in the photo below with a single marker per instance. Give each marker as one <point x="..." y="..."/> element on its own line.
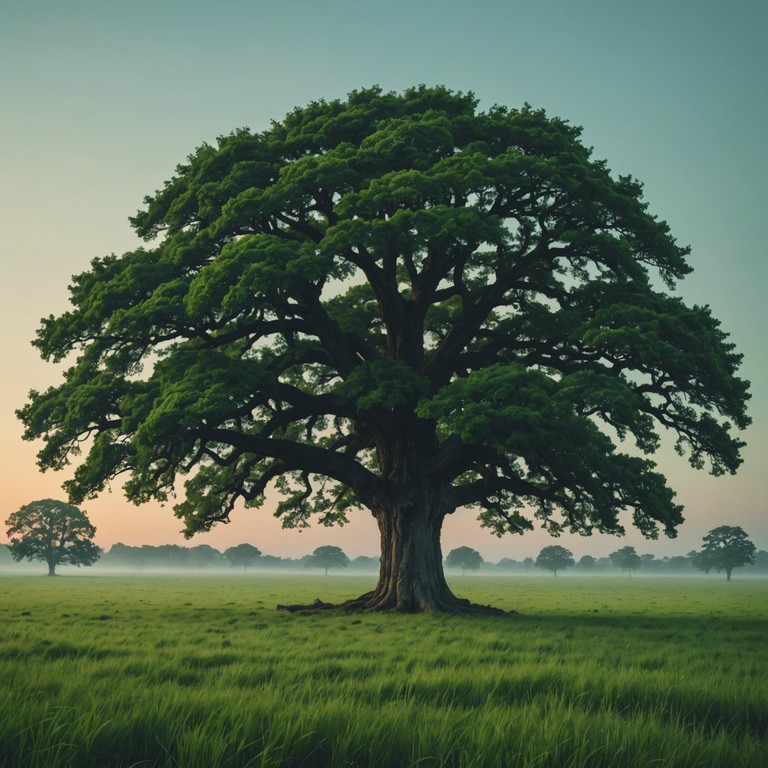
<point x="187" y="671"/>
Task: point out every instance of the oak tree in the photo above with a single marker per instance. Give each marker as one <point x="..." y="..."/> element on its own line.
<point x="401" y="303"/>
<point x="626" y="559"/>
<point x="555" y="558"/>
<point x="327" y="557"/>
<point x="53" y="531"/>
<point x="243" y="554"/>
<point x="204" y="556"/>
<point x="725" y="548"/>
<point x="465" y="558"/>
<point x="586" y="563"/>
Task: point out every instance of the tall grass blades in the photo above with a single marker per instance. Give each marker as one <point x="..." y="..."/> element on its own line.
<point x="188" y="671"/>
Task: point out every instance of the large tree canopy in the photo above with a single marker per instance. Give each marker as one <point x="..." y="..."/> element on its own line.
<point x="396" y="302"/>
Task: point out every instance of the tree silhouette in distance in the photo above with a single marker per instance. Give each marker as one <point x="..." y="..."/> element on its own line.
<point x="466" y="558"/>
<point x="243" y="554"/>
<point x="626" y="559"/>
<point x="54" y="532"/>
<point x="725" y="548"/>
<point x="555" y="558"/>
<point x="327" y="557"/>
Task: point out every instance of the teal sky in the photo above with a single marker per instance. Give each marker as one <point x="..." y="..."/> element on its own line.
<point x="100" y="101"/>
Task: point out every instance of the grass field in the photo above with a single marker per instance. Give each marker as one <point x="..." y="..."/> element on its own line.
<point x="187" y="671"/>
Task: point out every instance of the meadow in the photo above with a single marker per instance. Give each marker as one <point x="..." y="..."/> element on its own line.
<point x="188" y="671"/>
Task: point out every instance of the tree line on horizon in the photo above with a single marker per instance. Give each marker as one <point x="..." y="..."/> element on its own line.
<point x="61" y="534"/>
<point x="553" y="558"/>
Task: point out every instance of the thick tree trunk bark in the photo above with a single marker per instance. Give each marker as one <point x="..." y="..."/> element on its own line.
<point x="411" y="577"/>
<point x="51" y="568"/>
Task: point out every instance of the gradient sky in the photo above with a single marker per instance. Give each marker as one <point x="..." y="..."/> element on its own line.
<point x="100" y="101"/>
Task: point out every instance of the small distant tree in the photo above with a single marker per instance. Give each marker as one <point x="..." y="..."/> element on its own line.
<point x="761" y="561"/>
<point x="555" y="558"/>
<point x="327" y="557"/>
<point x="586" y="563"/>
<point x="725" y="548"/>
<point x="121" y="555"/>
<point x="54" y="532"/>
<point x="627" y="559"/>
<point x="679" y="563"/>
<point x="204" y="556"/>
<point x="528" y="563"/>
<point x="243" y="554"/>
<point x="168" y="555"/>
<point x="364" y="562"/>
<point x="466" y="558"/>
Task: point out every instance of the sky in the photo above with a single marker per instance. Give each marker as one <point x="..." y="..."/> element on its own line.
<point x="100" y="101"/>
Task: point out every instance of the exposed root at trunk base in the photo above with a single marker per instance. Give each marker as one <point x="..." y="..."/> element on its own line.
<point x="372" y="603"/>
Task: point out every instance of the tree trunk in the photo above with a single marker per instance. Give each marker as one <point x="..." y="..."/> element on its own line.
<point x="411" y="574"/>
<point x="411" y="577"/>
<point x="728" y="574"/>
<point x="51" y="567"/>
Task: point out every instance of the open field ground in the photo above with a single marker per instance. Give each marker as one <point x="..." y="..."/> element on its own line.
<point x="189" y="671"/>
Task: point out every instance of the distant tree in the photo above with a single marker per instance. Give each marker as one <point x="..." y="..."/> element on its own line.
<point x="204" y="556"/>
<point x="466" y="558"/>
<point x="243" y="554"/>
<point x="363" y="562"/>
<point x="121" y="555"/>
<point x="555" y="558"/>
<point x="271" y="561"/>
<point x="627" y="559"/>
<point x="168" y="555"/>
<point x="54" y="532"/>
<point x="5" y="554"/>
<point x="761" y="561"/>
<point x="725" y="548"/>
<point x="586" y="563"/>
<point x="507" y="564"/>
<point x="528" y="563"/>
<point x="327" y="557"/>
<point x="679" y="563"/>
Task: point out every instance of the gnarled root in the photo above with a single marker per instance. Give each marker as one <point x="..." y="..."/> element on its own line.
<point x="372" y="602"/>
